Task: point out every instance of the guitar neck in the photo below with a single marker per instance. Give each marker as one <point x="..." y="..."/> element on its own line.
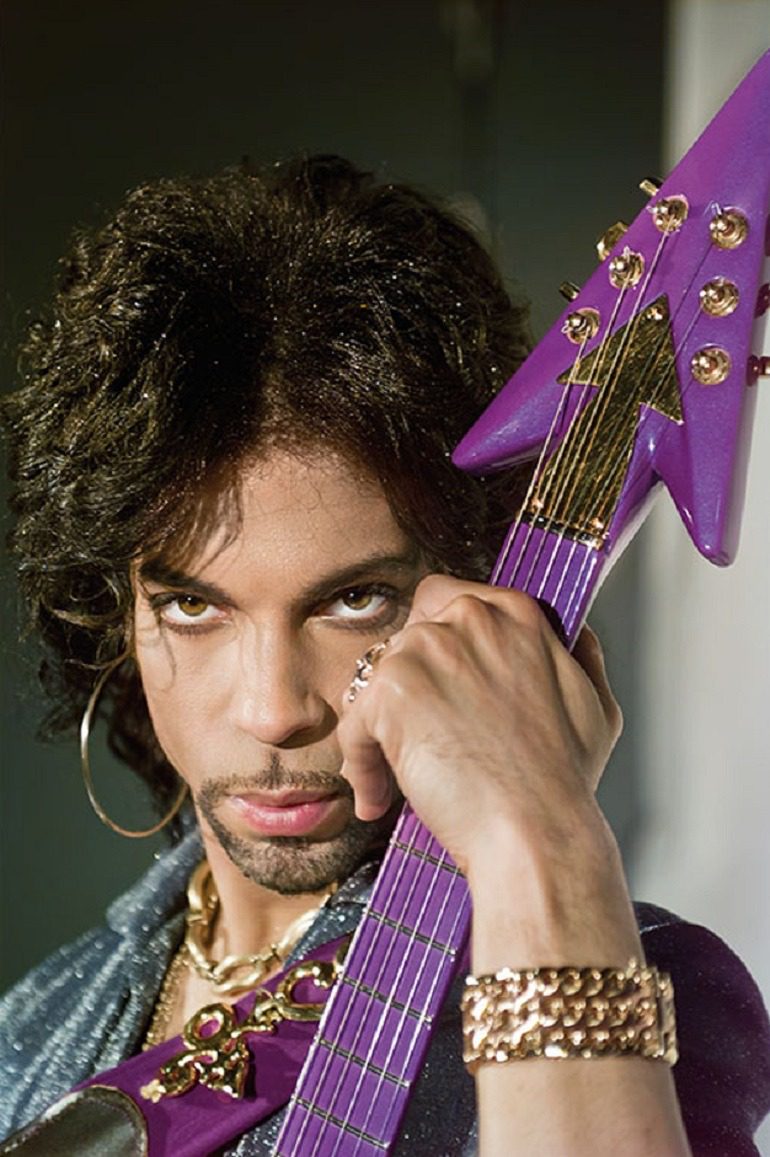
<point x="412" y="941"/>
<point x="642" y="380"/>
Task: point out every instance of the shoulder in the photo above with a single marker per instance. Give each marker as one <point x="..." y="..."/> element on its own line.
<point x="50" y="983"/>
<point x="34" y="1013"/>
<point x="723" y="1073"/>
<point x="85" y="1007"/>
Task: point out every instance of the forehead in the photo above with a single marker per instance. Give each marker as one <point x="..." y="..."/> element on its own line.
<point x="300" y="516"/>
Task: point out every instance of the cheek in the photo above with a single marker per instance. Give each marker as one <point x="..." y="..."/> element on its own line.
<point x="179" y="699"/>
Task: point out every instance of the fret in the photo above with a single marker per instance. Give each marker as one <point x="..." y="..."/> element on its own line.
<point x="398" y="979"/>
<point x="432" y="910"/>
<point x="691" y="439"/>
<point x="445" y="864"/>
<point x="388" y="958"/>
<point x="368" y="1100"/>
<point x="562" y="571"/>
<point x="413" y="934"/>
<point x="384" y="1036"/>
<point x="326" y="1126"/>
<point x="361" y="1062"/>
<point x="386" y="998"/>
<point x="415" y="835"/>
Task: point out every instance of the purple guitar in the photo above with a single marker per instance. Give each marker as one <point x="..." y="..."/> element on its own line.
<point x="648" y="377"/>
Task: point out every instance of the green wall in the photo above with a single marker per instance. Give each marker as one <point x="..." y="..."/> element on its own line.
<point x="548" y="112"/>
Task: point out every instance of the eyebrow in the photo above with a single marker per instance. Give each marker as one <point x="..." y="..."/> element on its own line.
<point x="155" y="570"/>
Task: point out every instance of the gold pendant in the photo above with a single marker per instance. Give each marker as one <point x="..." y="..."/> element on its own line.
<point x="216" y="1053"/>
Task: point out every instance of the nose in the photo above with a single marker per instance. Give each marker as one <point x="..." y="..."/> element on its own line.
<point x="275" y="696"/>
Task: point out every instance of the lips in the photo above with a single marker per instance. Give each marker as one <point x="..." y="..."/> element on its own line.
<point x="285" y="813"/>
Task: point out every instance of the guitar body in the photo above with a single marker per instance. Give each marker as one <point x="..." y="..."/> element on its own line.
<point x="647" y="379"/>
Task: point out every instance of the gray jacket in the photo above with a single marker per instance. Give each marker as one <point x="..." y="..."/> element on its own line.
<point x="88" y="1005"/>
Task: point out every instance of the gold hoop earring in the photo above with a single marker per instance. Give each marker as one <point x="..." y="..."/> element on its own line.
<point x="85" y="763"/>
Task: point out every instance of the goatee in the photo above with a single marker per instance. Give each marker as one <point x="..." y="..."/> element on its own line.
<point x="294" y="864"/>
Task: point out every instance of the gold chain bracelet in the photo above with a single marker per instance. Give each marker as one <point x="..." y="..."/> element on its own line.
<point x="569" y="1012"/>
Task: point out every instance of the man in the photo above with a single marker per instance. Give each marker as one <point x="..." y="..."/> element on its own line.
<point x="233" y="480"/>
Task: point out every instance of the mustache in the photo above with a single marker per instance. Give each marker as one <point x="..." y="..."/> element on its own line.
<point x="275" y="777"/>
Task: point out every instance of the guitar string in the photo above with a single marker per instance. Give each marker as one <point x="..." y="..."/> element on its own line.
<point x="543" y="533"/>
<point x="384" y="1006"/>
<point x="510" y="537"/>
<point x="580" y="587"/>
<point x="560" y="479"/>
<point x="676" y="350"/>
<point x="545" y="450"/>
<point x="574" y="545"/>
<point x="383" y="962"/>
<point x="600" y="349"/>
<point x="621" y="465"/>
<point x="596" y="417"/>
<point x="537" y="472"/>
<point x="383" y="1015"/>
<point x="410" y="1044"/>
<point x="395" y="1038"/>
<point x="582" y="452"/>
<point x="401" y="1037"/>
<point x="541" y="461"/>
<point x="580" y="584"/>
<point x="659" y="373"/>
<point x="387" y="1006"/>
<point x="532" y="528"/>
<point x="635" y="475"/>
<point x="329" y="1059"/>
<point x="394" y="1107"/>
<point x="619" y="363"/>
<point x="558" y="414"/>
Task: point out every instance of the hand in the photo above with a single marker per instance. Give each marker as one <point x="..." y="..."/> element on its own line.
<point x="491" y="728"/>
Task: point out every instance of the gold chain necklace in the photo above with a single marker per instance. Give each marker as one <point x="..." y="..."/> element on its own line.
<point x="202" y="908"/>
<point x="234" y="974"/>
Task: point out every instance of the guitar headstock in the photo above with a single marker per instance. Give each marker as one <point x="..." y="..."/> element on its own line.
<point x="650" y="374"/>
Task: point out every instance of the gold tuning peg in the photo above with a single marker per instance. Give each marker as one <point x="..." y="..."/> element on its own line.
<point x="569" y="290"/>
<point x="650" y="186"/>
<point x="609" y="240"/>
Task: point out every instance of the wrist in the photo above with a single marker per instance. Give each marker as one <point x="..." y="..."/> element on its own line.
<point x="551" y="900"/>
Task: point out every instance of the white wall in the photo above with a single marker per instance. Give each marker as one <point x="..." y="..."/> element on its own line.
<point x="706" y="661"/>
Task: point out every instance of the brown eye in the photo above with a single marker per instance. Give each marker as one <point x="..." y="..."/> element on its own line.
<point x="191" y="606"/>
<point x="187" y="614"/>
<point x="365" y="605"/>
<point x="358" y="599"/>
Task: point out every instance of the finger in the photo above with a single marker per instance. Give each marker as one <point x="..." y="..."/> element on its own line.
<point x="435" y="592"/>
<point x="589" y="654"/>
<point x="363" y="762"/>
<point x="368" y="773"/>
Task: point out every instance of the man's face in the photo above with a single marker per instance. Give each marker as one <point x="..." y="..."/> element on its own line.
<point x="246" y="650"/>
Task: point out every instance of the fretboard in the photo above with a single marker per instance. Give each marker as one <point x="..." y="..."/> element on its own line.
<point x="412" y="941"/>
<point x="370" y="1045"/>
<point x="643" y="379"/>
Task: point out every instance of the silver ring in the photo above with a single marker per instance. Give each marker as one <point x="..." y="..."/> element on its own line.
<point x="365" y="669"/>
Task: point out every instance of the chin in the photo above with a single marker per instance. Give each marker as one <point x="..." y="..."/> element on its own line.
<point x="295" y="864"/>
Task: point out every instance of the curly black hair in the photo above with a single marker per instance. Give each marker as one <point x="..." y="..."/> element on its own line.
<point x="301" y="304"/>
